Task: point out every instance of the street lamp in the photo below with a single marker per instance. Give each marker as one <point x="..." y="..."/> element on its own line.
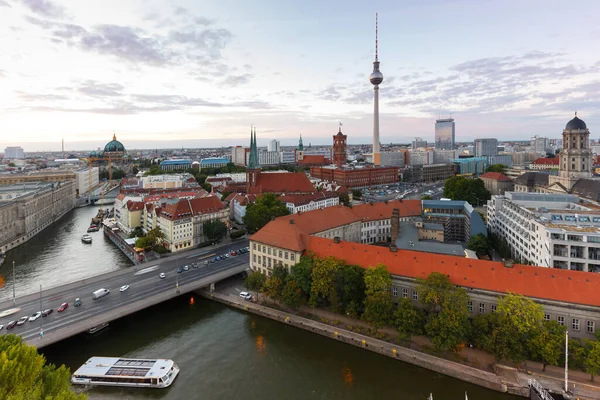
<point x="41" y="319"/>
<point x="14" y="298"/>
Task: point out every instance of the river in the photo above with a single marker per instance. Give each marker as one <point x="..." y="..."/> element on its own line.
<point x="223" y="353"/>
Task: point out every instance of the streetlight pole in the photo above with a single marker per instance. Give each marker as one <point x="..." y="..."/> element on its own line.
<point x="566" y="361"/>
<point x="14" y="298"/>
<point x="42" y="318"/>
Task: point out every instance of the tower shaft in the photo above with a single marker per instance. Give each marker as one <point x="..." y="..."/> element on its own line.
<point x="376" y="150"/>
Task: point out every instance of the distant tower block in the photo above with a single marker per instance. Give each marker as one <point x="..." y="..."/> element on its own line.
<point x="376" y="78"/>
<point x="339" y="148"/>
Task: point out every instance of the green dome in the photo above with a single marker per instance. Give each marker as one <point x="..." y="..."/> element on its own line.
<point x="114" y="145"/>
<point x="93" y="154"/>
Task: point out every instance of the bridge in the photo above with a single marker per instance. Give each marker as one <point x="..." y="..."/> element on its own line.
<point x="145" y="290"/>
<point x="106" y="190"/>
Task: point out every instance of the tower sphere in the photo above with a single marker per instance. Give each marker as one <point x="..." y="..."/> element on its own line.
<point x="376" y="77"/>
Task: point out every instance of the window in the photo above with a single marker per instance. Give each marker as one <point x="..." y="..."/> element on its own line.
<point x="405" y="293"/>
<point x="470" y="305"/>
<point x="481" y="308"/>
<point x="590" y="327"/>
<point x="395" y="291"/>
<point x="415" y="295"/>
<point x="546" y="317"/>
<point x="292" y="256"/>
<point x="561" y="320"/>
<point x="259" y="259"/>
<point x="280" y="254"/>
<point x="575" y="324"/>
<point x="269" y="251"/>
<point x="254" y="257"/>
<point x="493" y="308"/>
<point x="269" y="262"/>
<point x="286" y="255"/>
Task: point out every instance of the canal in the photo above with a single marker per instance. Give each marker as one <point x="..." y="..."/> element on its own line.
<point x="223" y="353"/>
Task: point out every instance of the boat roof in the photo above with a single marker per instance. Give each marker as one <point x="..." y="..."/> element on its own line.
<point x="114" y="366"/>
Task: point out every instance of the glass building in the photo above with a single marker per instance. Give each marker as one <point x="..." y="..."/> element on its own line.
<point x="444" y="134"/>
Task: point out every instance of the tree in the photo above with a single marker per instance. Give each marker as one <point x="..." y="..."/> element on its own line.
<point x="479" y="244"/>
<point x="214" y="230"/>
<point x="520" y="320"/>
<point x="426" y="197"/>
<point x="292" y="294"/>
<point x="434" y="290"/>
<point x="547" y="344"/>
<point x="592" y="361"/>
<point x="377" y="280"/>
<point x="378" y="302"/>
<point x="273" y="288"/>
<point x="301" y="273"/>
<point x="408" y="320"/>
<point x="255" y="282"/>
<point x="135" y="170"/>
<point x="264" y="209"/>
<point x="450" y="328"/>
<point x="496" y="168"/>
<point x="356" y="194"/>
<point x="323" y="280"/>
<point x="12" y="164"/>
<point x="141" y="242"/>
<point x="484" y="326"/>
<point x="349" y="289"/>
<point x="345" y="199"/>
<point x="25" y="375"/>
<point x="470" y="190"/>
<point x="154" y="236"/>
<point x="136" y="232"/>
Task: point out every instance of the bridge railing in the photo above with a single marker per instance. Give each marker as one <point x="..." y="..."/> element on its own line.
<point x="539" y="389"/>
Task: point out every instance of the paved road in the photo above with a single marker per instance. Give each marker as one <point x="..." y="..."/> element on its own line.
<point x="146" y="289"/>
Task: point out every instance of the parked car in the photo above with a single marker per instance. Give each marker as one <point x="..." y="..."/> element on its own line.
<point x="206" y="262"/>
<point x="35" y="316"/>
<point x="47" y="312"/>
<point x="63" y="307"/>
<point x="162" y="275"/>
<point x="1" y="326"/>
<point x="123" y="288"/>
<point x="11" y="325"/>
<point x="77" y="302"/>
<point x="246" y="295"/>
<point x="227" y="255"/>
<point x="186" y="267"/>
<point x="218" y="258"/>
<point x="195" y="265"/>
<point x="22" y="320"/>
<point x="179" y="270"/>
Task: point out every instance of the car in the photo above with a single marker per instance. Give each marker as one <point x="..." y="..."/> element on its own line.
<point x="195" y="265"/>
<point x="206" y="262"/>
<point x="227" y="255"/>
<point x="11" y="325"/>
<point x="186" y="267"/>
<point x="248" y="248"/>
<point x="63" y="307"/>
<point x="47" y="312"/>
<point x="1" y="326"/>
<point x="162" y="275"/>
<point x="179" y="270"/>
<point x="245" y="295"/>
<point x="77" y="302"/>
<point x="22" y="320"/>
<point x="35" y="316"/>
<point x="218" y="258"/>
<point x="123" y="288"/>
<point x="233" y="253"/>
<point x="212" y="260"/>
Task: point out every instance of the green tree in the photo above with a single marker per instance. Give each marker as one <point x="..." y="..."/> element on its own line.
<point x="484" y="326"/>
<point x="142" y="242"/>
<point x="292" y="295"/>
<point x="25" y="375"/>
<point x="479" y="244"/>
<point x="450" y="328"/>
<point x="592" y="360"/>
<point x="323" y="280"/>
<point x="426" y="197"/>
<point x="135" y="170"/>
<point x="12" y="164"/>
<point x="408" y="320"/>
<point x="378" y="302"/>
<point x="264" y="209"/>
<point x="214" y="230"/>
<point x="345" y="200"/>
<point x="154" y="170"/>
<point x="547" y="344"/>
<point x="520" y="321"/>
<point x="434" y="290"/>
<point x="470" y="190"/>
<point x="349" y="289"/>
<point x="496" y="168"/>
<point x="377" y="280"/>
<point x="301" y="273"/>
<point x="273" y="288"/>
<point x="356" y="194"/>
<point x="136" y="232"/>
<point x="255" y="282"/>
<point x="154" y="237"/>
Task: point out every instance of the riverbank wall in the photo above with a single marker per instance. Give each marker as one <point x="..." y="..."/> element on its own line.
<point x="122" y="245"/>
<point x="423" y="360"/>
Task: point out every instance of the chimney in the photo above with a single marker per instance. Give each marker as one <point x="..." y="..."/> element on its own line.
<point x="395" y="225"/>
<point x="508" y="263"/>
<point x="336" y="240"/>
<point x="393" y="248"/>
<point x="291" y="222"/>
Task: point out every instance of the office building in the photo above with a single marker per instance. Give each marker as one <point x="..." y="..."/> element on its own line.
<point x="444" y="156"/>
<point x="238" y="155"/>
<point x="486" y="147"/>
<point x="470" y="166"/>
<point x="86" y="179"/>
<point x="392" y="159"/>
<point x="444" y="134"/>
<point x="14" y="153"/>
<point x="174" y="165"/>
<point x="273" y="146"/>
<point x="419" y="143"/>
<point x="356" y="178"/>
<point x="214" y="162"/>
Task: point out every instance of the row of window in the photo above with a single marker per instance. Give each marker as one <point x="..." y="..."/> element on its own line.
<point x="271" y="250"/>
<point x="268" y="262"/>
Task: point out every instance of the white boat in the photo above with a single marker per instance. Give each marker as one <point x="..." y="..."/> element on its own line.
<point x="97" y="328"/>
<point x="113" y="371"/>
<point x="86" y="239"/>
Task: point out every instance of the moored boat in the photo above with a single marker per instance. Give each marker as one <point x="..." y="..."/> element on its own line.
<point x="86" y="239"/>
<point x="93" y="228"/>
<point x="97" y="328"/>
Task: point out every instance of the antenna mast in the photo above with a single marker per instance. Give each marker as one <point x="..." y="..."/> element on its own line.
<point x="376" y="37"/>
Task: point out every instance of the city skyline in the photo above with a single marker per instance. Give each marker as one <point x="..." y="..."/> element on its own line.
<point x="180" y="75"/>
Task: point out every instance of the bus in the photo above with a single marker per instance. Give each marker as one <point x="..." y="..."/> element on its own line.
<point x="114" y="371"/>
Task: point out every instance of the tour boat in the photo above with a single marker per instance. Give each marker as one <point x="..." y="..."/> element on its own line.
<point x="86" y="239"/>
<point x="93" y="228"/>
<point x="97" y="328"/>
<point x="113" y="371"/>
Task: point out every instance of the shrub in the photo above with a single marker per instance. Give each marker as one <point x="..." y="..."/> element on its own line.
<point x="237" y="234"/>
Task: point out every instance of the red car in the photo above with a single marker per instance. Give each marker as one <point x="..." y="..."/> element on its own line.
<point x="63" y="307"/>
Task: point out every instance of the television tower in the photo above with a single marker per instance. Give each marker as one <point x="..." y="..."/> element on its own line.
<point x="376" y="78"/>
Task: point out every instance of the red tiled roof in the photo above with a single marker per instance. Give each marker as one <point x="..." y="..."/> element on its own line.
<point x="547" y="161"/>
<point x="537" y="282"/>
<point x="313" y="159"/>
<point x="285" y="182"/>
<point x="121" y="196"/>
<point x="186" y="208"/>
<point x="206" y="205"/>
<point x="298" y="226"/>
<point x="496" y="176"/>
<point x="242" y="198"/>
<point x="301" y="199"/>
<point x="135" y="205"/>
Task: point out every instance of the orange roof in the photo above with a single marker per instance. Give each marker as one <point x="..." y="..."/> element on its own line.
<point x="313" y="159"/>
<point x="135" y="205"/>
<point x="285" y="182"/>
<point x="537" y="282"/>
<point x="300" y="199"/>
<point x="496" y="176"/>
<point x="187" y="208"/>
<point x="241" y="198"/>
<point x="547" y="161"/>
<point x="297" y="226"/>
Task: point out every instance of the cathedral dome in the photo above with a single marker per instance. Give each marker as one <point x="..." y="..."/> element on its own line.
<point x="114" y="146"/>
<point x="576" y="124"/>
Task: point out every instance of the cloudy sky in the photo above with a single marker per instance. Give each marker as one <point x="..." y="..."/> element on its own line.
<point x="166" y="73"/>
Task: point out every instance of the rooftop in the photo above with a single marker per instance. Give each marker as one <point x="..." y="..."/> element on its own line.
<point x="113" y="366"/>
<point x="496" y="176"/>
<point x="409" y="240"/>
<point x="214" y="160"/>
<point x="175" y="162"/>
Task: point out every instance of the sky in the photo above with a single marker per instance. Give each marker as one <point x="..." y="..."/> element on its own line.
<point x="200" y="73"/>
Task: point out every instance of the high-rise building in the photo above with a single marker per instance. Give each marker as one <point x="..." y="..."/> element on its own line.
<point x="339" y="148"/>
<point x="539" y="145"/>
<point x="376" y="78"/>
<point x="273" y="145"/>
<point x="13" y="153"/>
<point x="444" y="134"/>
<point x="486" y="147"/>
<point x="418" y="143"/>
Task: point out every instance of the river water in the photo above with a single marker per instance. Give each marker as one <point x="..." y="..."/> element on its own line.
<point x="223" y="353"/>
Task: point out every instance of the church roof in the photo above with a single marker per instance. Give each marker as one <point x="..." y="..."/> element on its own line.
<point x="533" y="179"/>
<point x="575" y="124"/>
<point x="588" y="188"/>
<point x="114" y="145"/>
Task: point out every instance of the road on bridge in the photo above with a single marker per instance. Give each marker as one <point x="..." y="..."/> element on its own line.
<point x="146" y="288"/>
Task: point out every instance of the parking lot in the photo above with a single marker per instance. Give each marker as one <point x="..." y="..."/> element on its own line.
<point x="403" y="190"/>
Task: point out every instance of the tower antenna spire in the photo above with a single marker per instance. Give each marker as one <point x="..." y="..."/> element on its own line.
<point x="376" y="37"/>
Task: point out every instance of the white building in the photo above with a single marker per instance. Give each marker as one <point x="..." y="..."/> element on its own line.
<point x="547" y="229"/>
<point x="238" y="155"/>
<point x="274" y="146"/>
<point x="420" y="157"/>
<point x="287" y="157"/>
<point x="86" y="180"/>
<point x="391" y="159"/>
<point x="166" y="181"/>
<point x="14" y="153"/>
<point x="309" y="202"/>
<point x="237" y="177"/>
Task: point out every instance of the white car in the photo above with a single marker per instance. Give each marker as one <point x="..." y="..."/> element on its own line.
<point x="162" y="275"/>
<point x="186" y="268"/>
<point x="245" y="295"/>
<point x="22" y="321"/>
<point x="123" y="288"/>
<point x="1" y="326"/>
<point x="35" y="316"/>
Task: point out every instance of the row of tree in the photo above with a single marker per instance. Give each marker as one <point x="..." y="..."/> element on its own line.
<point x="515" y="332"/>
<point x="471" y="190"/>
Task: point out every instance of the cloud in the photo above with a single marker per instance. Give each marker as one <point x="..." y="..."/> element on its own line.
<point x="30" y="97"/>
<point x="4" y="4"/>
<point x="45" y="8"/>
<point x="237" y="80"/>
<point x="98" y="89"/>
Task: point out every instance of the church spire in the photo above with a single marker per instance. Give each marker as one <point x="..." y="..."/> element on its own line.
<point x="253" y="159"/>
<point x="300" y="145"/>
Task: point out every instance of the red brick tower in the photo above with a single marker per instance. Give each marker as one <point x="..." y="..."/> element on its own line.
<point x="339" y="148"/>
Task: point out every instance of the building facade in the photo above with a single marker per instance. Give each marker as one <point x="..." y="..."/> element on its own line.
<point x="339" y="148"/>
<point x="214" y="162"/>
<point x="356" y="178"/>
<point x="445" y="134"/>
<point x="470" y="166"/>
<point x="14" y="153"/>
<point x="392" y="159"/>
<point x="238" y="155"/>
<point x="86" y="180"/>
<point x="485" y="147"/>
<point x="309" y="202"/>
<point x="497" y="183"/>
<point x="173" y="165"/>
